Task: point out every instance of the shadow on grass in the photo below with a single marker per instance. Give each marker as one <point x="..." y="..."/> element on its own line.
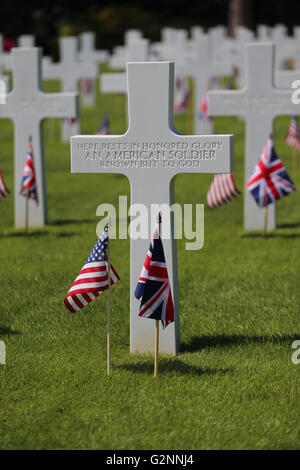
<point x="37" y="234"/>
<point x="30" y="234"/>
<point x="60" y="222"/>
<point x="270" y="235"/>
<point x="7" y="331"/>
<point x="289" y="225"/>
<point x="169" y="366"/>
<point x="198" y="343"/>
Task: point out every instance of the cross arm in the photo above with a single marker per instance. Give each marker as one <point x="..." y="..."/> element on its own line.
<point x="113" y="83"/>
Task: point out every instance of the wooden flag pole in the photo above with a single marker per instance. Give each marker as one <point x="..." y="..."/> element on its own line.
<point x="266" y="220"/>
<point x="108" y="297"/>
<point x="156" y="340"/>
<point x="295" y="161"/>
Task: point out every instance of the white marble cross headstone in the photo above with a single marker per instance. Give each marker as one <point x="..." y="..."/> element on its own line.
<point x="258" y="104"/>
<point x="27" y="105"/>
<point x="5" y="58"/>
<point x="89" y="54"/>
<point x="202" y="70"/>
<point x="26" y="40"/>
<point x="69" y="71"/>
<point x="151" y="154"/>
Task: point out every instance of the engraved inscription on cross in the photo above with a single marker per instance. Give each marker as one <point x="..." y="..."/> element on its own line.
<point x="151" y="154"/>
<point x="27" y="105"/>
<point x="258" y="104"/>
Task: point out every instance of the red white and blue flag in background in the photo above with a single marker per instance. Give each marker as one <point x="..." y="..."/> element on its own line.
<point x="292" y="138"/>
<point x="93" y="277"/>
<point x="182" y="99"/>
<point x="104" y="127"/>
<point x="269" y="181"/>
<point x="222" y="190"/>
<point x="3" y="188"/>
<point x="153" y="288"/>
<point x="203" y="109"/>
<point x="86" y="86"/>
<point x="29" y="179"/>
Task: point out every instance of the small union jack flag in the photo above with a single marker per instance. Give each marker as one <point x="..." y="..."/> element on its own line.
<point x="222" y="190"/>
<point x="3" y="188"/>
<point x="153" y="288"/>
<point x="28" y="179"/>
<point x="269" y="181"/>
<point x="292" y="138"/>
<point x="93" y="277"/>
<point x="104" y="127"/>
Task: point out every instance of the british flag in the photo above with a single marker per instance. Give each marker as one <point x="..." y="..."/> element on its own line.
<point x="29" y="179"/>
<point x="153" y="288"/>
<point x="222" y="190"/>
<point x="104" y="127"/>
<point x="292" y="138"/>
<point x="3" y="188"/>
<point x="269" y="181"/>
<point x="93" y="277"/>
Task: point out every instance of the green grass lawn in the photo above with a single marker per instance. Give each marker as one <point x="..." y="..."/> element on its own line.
<point x="233" y="385"/>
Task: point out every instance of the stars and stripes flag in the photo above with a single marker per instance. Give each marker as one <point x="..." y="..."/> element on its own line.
<point x="86" y="85"/>
<point x="92" y="280"/>
<point x="153" y="288"/>
<point x="222" y="190"/>
<point x="104" y="127"/>
<point x="203" y="110"/>
<point x="29" y="179"/>
<point x="269" y="181"/>
<point x="3" y="188"/>
<point x="292" y="138"/>
<point x="182" y="99"/>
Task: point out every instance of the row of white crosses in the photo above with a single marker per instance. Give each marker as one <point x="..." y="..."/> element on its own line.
<point x="27" y="105"/>
<point x="258" y="103"/>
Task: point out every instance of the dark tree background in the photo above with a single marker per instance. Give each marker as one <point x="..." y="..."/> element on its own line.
<point x="51" y="18"/>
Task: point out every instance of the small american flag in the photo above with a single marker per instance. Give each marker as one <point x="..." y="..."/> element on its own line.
<point x="3" y="188"/>
<point x="292" y="138"/>
<point x="93" y="277"/>
<point x="104" y="127"/>
<point x="182" y="100"/>
<point x="28" y="179"/>
<point x="222" y="190"/>
<point x="153" y="288"/>
<point x="269" y="181"/>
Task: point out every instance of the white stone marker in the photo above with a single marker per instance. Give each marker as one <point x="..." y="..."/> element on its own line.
<point x="69" y="71"/>
<point x="202" y="70"/>
<point x="137" y="51"/>
<point x="26" y="40"/>
<point x="87" y="54"/>
<point x="4" y="84"/>
<point x="143" y="155"/>
<point x="88" y="51"/>
<point x="258" y="104"/>
<point x="27" y="105"/>
<point x="5" y="58"/>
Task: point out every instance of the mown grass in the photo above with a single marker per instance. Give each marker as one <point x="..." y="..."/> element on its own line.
<point x="233" y="385"/>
